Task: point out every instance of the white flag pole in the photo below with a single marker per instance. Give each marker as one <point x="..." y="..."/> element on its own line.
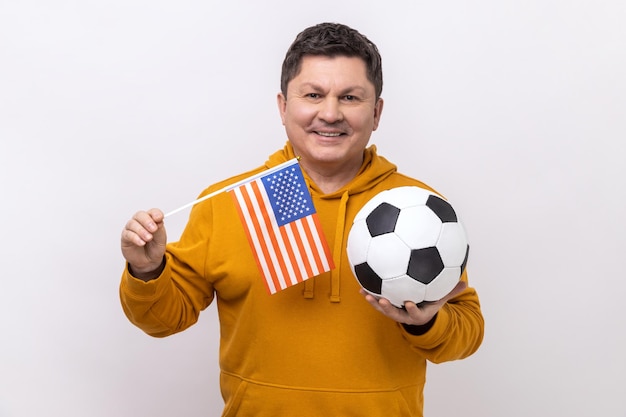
<point x="232" y="186"/>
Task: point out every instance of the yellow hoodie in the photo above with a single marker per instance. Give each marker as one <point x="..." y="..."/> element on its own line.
<point x="314" y="349"/>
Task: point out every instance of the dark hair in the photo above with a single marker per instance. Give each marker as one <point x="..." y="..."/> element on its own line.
<point x="332" y="39"/>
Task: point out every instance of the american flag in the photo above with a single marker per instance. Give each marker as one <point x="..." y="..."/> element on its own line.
<point x="282" y="226"/>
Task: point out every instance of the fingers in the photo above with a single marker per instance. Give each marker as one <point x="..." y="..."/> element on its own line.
<point x="385" y="307"/>
<point x="429" y="309"/>
<point x="140" y="229"/>
<point x="144" y="241"/>
<point x="412" y="313"/>
<point x="422" y="314"/>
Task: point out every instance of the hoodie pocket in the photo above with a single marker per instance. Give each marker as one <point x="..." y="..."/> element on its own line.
<point x="250" y="399"/>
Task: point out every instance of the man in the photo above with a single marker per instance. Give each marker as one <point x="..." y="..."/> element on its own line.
<point x="322" y="347"/>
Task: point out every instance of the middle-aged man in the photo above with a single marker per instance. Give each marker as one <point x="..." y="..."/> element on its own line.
<point x="322" y="347"/>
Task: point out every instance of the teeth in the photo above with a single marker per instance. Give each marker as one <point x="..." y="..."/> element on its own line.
<point x="332" y="135"/>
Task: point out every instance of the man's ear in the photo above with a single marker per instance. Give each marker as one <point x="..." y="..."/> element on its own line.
<point x="378" y="109"/>
<point x="281" y="100"/>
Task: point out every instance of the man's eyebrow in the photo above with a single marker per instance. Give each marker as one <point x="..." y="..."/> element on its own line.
<point x="350" y="89"/>
<point x="311" y="85"/>
<point x="354" y="89"/>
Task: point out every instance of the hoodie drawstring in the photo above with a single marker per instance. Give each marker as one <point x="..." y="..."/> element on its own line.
<point x="335" y="274"/>
<point x="309" y="288"/>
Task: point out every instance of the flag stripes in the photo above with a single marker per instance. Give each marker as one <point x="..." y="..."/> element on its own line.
<point x="286" y="254"/>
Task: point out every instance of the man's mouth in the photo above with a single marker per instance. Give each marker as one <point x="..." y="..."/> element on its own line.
<point x="329" y="134"/>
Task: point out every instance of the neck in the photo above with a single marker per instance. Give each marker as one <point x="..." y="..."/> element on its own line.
<point x="331" y="178"/>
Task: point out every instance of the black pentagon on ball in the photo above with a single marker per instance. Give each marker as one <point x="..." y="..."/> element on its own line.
<point x="368" y="278"/>
<point x="425" y="264"/>
<point x="442" y="209"/>
<point x="382" y="219"/>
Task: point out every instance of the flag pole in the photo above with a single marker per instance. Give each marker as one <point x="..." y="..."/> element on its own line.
<point x="235" y="185"/>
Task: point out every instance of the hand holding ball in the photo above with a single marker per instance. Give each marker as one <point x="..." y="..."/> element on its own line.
<point x="407" y="244"/>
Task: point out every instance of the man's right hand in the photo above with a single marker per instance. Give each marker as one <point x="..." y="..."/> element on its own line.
<point x="143" y="243"/>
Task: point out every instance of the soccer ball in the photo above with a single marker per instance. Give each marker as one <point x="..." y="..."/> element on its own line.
<point x="407" y="244"/>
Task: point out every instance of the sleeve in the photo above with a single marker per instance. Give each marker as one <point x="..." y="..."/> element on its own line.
<point x="172" y="302"/>
<point x="455" y="333"/>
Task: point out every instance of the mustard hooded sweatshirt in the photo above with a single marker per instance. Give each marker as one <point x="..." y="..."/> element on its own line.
<point x="316" y="348"/>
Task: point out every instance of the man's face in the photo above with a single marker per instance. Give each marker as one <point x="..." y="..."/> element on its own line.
<point x="330" y="112"/>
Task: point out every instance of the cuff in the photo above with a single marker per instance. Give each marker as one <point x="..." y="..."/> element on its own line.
<point x="418" y="330"/>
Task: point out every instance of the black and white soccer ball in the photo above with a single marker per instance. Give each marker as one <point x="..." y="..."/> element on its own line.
<point x="407" y="244"/>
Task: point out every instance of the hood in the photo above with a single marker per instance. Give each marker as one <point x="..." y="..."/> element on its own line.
<point x="374" y="170"/>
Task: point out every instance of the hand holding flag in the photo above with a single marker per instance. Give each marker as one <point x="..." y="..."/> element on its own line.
<point x="281" y="224"/>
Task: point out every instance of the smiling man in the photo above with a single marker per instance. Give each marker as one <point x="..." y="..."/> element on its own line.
<point x="329" y="110"/>
<point x="321" y="347"/>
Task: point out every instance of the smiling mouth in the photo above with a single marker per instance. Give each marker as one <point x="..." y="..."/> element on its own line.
<point x="329" y="134"/>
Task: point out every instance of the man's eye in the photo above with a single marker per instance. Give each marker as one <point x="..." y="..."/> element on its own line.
<point x="313" y="95"/>
<point x="349" y="98"/>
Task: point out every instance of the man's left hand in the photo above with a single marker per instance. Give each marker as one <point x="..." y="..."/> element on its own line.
<point x="412" y="313"/>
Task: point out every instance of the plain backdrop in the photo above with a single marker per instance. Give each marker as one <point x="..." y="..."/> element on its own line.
<point x="515" y="110"/>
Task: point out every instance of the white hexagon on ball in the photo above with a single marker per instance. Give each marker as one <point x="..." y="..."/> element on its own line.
<point x="403" y="197"/>
<point x="358" y="242"/>
<point x="452" y="244"/>
<point x="387" y="255"/>
<point x="418" y="227"/>
<point x="402" y="289"/>
<point x="443" y="284"/>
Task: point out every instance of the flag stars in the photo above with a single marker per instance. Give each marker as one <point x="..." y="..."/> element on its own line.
<point x="275" y="201"/>
<point x="288" y="195"/>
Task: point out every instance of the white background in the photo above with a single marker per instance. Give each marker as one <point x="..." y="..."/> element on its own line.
<point x="515" y="110"/>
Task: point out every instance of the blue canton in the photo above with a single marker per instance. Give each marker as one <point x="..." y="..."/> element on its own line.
<point x="288" y="195"/>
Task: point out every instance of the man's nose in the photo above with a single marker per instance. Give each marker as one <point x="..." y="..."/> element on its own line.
<point x="330" y="110"/>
